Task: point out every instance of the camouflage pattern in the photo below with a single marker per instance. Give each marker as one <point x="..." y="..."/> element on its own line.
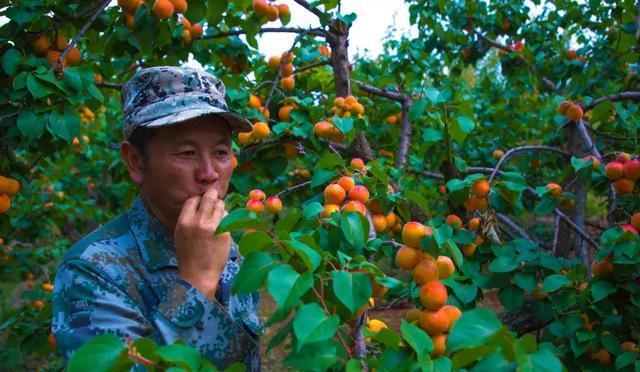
<point x="123" y="279"/>
<point x="166" y="95"/>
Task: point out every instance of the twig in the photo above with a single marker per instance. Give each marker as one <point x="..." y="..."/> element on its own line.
<point x="395" y="96"/>
<point x="310" y="8"/>
<point x="84" y="29"/>
<point x="548" y="83"/>
<point x="405" y="135"/>
<point x="295" y="30"/>
<point x="311" y="66"/>
<point x="577" y="229"/>
<point x="392" y="243"/>
<point x="109" y="85"/>
<point x="613" y="201"/>
<point x="294" y="187"/>
<point x="518" y="150"/>
<point x="556" y="235"/>
<point x="587" y="139"/>
<point x="631" y="95"/>
<point x="514" y="226"/>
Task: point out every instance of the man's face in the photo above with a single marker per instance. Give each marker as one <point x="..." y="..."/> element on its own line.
<point x="185" y="160"/>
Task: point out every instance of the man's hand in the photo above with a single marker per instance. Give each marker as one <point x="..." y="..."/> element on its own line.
<point x="202" y="255"/>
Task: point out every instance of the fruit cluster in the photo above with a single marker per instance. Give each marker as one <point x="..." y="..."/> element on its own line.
<point x="284" y="114"/>
<point x="51" y="46"/>
<point x="344" y="107"/>
<point x="624" y="171"/>
<point x="8" y="187"/>
<point x="272" y="11"/>
<point x="326" y="130"/>
<point x="284" y="62"/>
<point x="258" y="201"/>
<point x="437" y="318"/>
<point x="478" y="200"/>
<point x="260" y="129"/>
<point x="571" y="110"/>
<point x="87" y="116"/>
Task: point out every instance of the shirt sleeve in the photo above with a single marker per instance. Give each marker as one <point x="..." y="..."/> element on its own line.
<point x="88" y="302"/>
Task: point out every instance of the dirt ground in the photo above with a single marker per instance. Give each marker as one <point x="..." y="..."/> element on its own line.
<point x="272" y="361"/>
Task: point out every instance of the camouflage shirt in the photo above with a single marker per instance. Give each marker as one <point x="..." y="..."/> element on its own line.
<point x="123" y="279"/>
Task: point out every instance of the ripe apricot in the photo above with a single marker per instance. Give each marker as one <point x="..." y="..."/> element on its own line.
<point x="379" y="222"/>
<point x="257" y="194"/>
<point x="339" y="102"/>
<point x="163" y="9"/>
<point x="260" y="130"/>
<point x="51" y="340"/>
<point x="408" y="257"/>
<point x="497" y="154"/>
<point x="73" y="57"/>
<point x="629" y="228"/>
<point x="602" y="356"/>
<point x="425" y="271"/>
<point x="38" y="304"/>
<point x="47" y="287"/>
<point x="469" y="249"/>
<point x="273" y="13"/>
<point x="179" y="6"/>
<point x="255" y="205"/>
<point x="61" y="42"/>
<point x="359" y="193"/>
<point x="355" y="206"/>
<point x="357" y="109"/>
<point x="287" y="70"/>
<point x="433" y="295"/>
<point x="453" y="221"/>
<point x="245" y="138"/>
<point x="376" y="325"/>
<point x="273" y="204"/>
<point x="287" y="83"/>
<point x="348" y="183"/>
<point x="5" y="203"/>
<point x="391" y="120"/>
<point x="285" y="113"/>
<point x="574" y="112"/>
<point x="631" y="169"/>
<point x="254" y="101"/>
<point x="481" y="188"/>
<point x="322" y="129"/>
<point x="41" y="45"/>
<point x="602" y="268"/>
<point x="260" y="7"/>
<point x="439" y="345"/>
<point x="413" y="232"/>
<point x="434" y="322"/>
<point x="614" y="170"/>
<point x="629" y="347"/>
<point x="453" y="313"/>
<point x="445" y="267"/>
<point x="9" y="186"/>
<point x="596" y="161"/>
<point x="336" y="135"/>
<point x="623" y="157"/>
<point x="474" y="224"/>
<point x="196" y="30"/>
<point x="635" y="220"/>
<point x="624" y="186"/>
<point x="287" y="57"/>
<point x="412" y="315"/>
<point x="284" y="11"/>
<point x="328" y="209"/>
<point x="128" y="6"/>
<point x="392" y="219"/>
<point x="334" y="194"/>
<point x="554" y="189"/>
<point x="475" y="203"/>
<point x="571" y="54"/>
<point x="357" y="163"/>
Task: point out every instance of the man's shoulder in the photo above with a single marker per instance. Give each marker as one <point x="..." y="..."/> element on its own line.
<point x="113" y="238"/>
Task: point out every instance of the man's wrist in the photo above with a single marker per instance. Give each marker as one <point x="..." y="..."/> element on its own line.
<point x="207" y="287"/>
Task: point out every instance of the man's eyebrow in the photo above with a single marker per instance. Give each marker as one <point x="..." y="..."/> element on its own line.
<point x="192" y="142"/>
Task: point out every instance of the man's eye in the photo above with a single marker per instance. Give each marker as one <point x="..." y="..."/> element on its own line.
<point x="222" y="153"/>
<point x="187" y="153"/>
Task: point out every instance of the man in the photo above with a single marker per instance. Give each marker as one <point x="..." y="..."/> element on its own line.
<point x="159" y="271"/>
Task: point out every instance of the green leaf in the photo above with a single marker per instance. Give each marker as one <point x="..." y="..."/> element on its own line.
<point x="625" y="359"/>
<point x="601" y="289"/>
<point x="417" y="198"/>
<point x="554" y="282"/>
<point x="544" y="360"/>
<point x="511" y="297"/>
<point x="321" y="176"/>
<point x="525" y="281"/>
<point x="99" y="354"/>
<point x="286" y="286"/>
<point x="417" y="109"/>
<point x="355" y="228"/>
<point x="254" y="241"/>
<point x="418" y="339"/>
<point x="311" y="324"/>
<point x="56" y="126"/>
<point x="474" y="328"/>
<point x="352" y="289"/>
<point x="460" y="128"/>
<point x="37" y="88"/>
<point x="318" y="356"/>
<point x="241" y="219"/>
<point x="309" y="256"/>
<point x="31" y="125"/>
<point x="254" y="269"/>
<point x="10" y="61"/>
<point x="312" y="210"/>
<point x="504" y="264"/>
<point x="180" y="355"/>
<point x="329" y="161"/>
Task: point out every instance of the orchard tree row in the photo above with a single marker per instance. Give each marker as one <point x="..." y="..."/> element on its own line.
<point x="494" y="153"/>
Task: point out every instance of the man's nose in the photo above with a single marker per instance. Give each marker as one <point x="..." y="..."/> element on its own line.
<point x="206" y="171"/>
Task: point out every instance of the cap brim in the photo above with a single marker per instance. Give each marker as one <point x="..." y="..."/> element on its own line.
<point x="236" y="122"/>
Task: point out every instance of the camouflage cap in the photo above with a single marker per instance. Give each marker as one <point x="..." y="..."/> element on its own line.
<point x="167" y="95"/>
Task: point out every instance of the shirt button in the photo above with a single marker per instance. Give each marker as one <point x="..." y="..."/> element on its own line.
<point x="189" y="313"/>
<point x="200" y="325"/>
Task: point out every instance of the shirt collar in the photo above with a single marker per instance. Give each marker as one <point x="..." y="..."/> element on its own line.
<point x="156" y="246"/>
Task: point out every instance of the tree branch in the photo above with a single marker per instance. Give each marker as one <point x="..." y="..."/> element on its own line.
<point x="631" y="95"/>
<point x="294" y="30"/>
<point x="294" y="187"/>
<point x="405" y="134"/>
<point x="548" y="83"/>
<point x="109" y="85"/>
<point x="311" y="66"/>
<point x="312" y="9"/>
<point x="556" y="235"/>
<point x="84" y="29"/>
<point x="518" y="150"/>
<point x="395" y="96"/>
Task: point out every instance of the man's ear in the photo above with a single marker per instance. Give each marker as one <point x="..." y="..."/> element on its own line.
<point x="133" y="160"/>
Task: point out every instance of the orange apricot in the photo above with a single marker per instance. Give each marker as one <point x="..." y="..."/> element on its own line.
<point x="425" y="271"/>
<point x="433" y="295"/>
